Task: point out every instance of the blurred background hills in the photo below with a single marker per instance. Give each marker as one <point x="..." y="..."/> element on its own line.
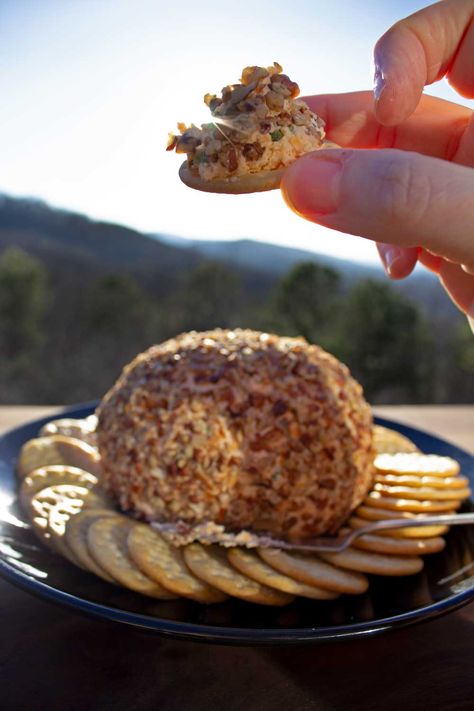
<point x="79" y="298"/>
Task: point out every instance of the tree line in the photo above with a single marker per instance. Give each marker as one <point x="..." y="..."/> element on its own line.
<point x="65" y="345"/>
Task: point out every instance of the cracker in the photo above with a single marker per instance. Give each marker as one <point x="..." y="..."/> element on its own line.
<point x="314" y="571"/>
<point x="210" y="563"/>
<point x="50" y="476"/>
<point x="423" y="493"/>
<point x="376" y="499"/>
<point x="107" y="543"/>
<point x="435" y="482"/>
<point x="57" y="449"/>
<point x="372" y="513"/>
<point x="239" y="184"/>
<point x="83" y="429"/>
<point x="375" y="563"/>
<point x="416" y="464"/>
<point x="49" y="508"/>
<point x="409" y="532"/>
<point x="249" y="563"/>
<point x="76" y="539"/>
<point x="387" y="441"/>
<point x="163" y="562"/>
<point x="234" y="185"/>
<point x="399" y="546"/>
<point x="58" y="519"/>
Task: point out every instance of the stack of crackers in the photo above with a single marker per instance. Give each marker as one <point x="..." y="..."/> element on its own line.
<point x="61" y="492"/>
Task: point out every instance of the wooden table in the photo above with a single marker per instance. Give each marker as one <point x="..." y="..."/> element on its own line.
<point x="56" y="659"/>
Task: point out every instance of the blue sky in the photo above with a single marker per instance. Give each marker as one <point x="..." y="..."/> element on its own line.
<point x="90" y="88"/>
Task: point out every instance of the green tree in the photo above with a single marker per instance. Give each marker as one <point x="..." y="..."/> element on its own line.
<point x="387" y="344"/>
<point x="24" y="300"/>
<point x="305" y="303"/>
<point x="209" y="298"/>
<point x="116" y="306"/>
<point x="118" y="321"/>
<point x="460" y="375"/>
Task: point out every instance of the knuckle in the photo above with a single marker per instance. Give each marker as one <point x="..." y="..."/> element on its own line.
<point x="404" y="191"/>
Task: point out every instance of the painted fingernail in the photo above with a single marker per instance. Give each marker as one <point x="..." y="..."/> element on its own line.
<point x="390" y="257"/>
<point x="311" y="186"/>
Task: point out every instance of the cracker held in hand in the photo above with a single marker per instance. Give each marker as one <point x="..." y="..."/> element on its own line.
<point x="258" y="128"/>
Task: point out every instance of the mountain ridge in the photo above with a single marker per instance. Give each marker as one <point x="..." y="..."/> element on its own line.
<point x="75" y="243"/>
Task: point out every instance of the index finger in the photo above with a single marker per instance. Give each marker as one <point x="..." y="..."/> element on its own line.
<point x="435" y="129"/>
<point x="419" y="50"/>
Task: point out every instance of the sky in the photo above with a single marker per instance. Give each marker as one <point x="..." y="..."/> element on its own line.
<point x="89" y="90"/>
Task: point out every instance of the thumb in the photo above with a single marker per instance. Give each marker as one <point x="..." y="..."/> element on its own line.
<point x="391" y="196"/>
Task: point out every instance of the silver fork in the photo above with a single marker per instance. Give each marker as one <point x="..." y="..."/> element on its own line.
<point x="340" y="543"/>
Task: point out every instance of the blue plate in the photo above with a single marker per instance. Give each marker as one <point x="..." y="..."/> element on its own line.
<point x="446" y="582"/>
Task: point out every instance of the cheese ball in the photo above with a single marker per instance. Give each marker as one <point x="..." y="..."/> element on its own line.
<point x="248" y="430"/>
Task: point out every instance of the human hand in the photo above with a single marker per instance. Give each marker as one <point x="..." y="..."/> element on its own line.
<point x="415" y="196"/>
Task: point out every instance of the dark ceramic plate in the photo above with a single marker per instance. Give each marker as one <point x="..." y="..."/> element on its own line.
<point x="446" y="582"/>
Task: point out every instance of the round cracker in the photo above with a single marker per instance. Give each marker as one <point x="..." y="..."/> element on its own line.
<point x="58" y="519"/>
<point x="44" y="477"/>
<point x="76" y="539"/>
<point x="435" y="482"/>
<point x="83" y="429"/>
<point x="399" y="546"/>
<point x="423" y="493"/>
<point x="249" y="563"/>
<point x="414" y="532"/>
<point x="239" y="184"/>
<point x="68" y="500"/>
<point x="314" y="571"/>
<point x="57" y="449"/>
<point x="372" y="513"/>
<point x="210" y="563"/>
<point x="161" y="561"/>
<point x="235" y="184"/>
<point x="376" y="499"/>
<point x="375" y="563"/>
<point x="387" y="441"/>
<point x="107" y="543"/>
<point x="416" y="464"/>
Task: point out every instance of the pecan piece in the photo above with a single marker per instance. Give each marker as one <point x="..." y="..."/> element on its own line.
<point x="274" y="101"/>
<point x="252" y="151"/>
<point x="282" y="84"/>
<point x="251" y="74"/>
<point x="237" y="95"/>
<point x="284" y="119"/>
<point x="187" y="143"/>
<point x="229" y="160"/>
<point x="172" y="142"/>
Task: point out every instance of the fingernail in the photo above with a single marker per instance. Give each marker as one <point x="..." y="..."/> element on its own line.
<point x="471" y="319"/>
<point x="379" y="82"/>
<point x="380" y="73"/>
<point x="390" y="256"/>
<point x="311" y="186"/>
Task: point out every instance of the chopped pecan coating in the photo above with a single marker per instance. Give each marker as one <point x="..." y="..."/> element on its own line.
<point x="240" y="428"/>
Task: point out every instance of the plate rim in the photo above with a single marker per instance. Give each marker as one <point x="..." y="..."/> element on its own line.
<point x="192" y="631"/>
